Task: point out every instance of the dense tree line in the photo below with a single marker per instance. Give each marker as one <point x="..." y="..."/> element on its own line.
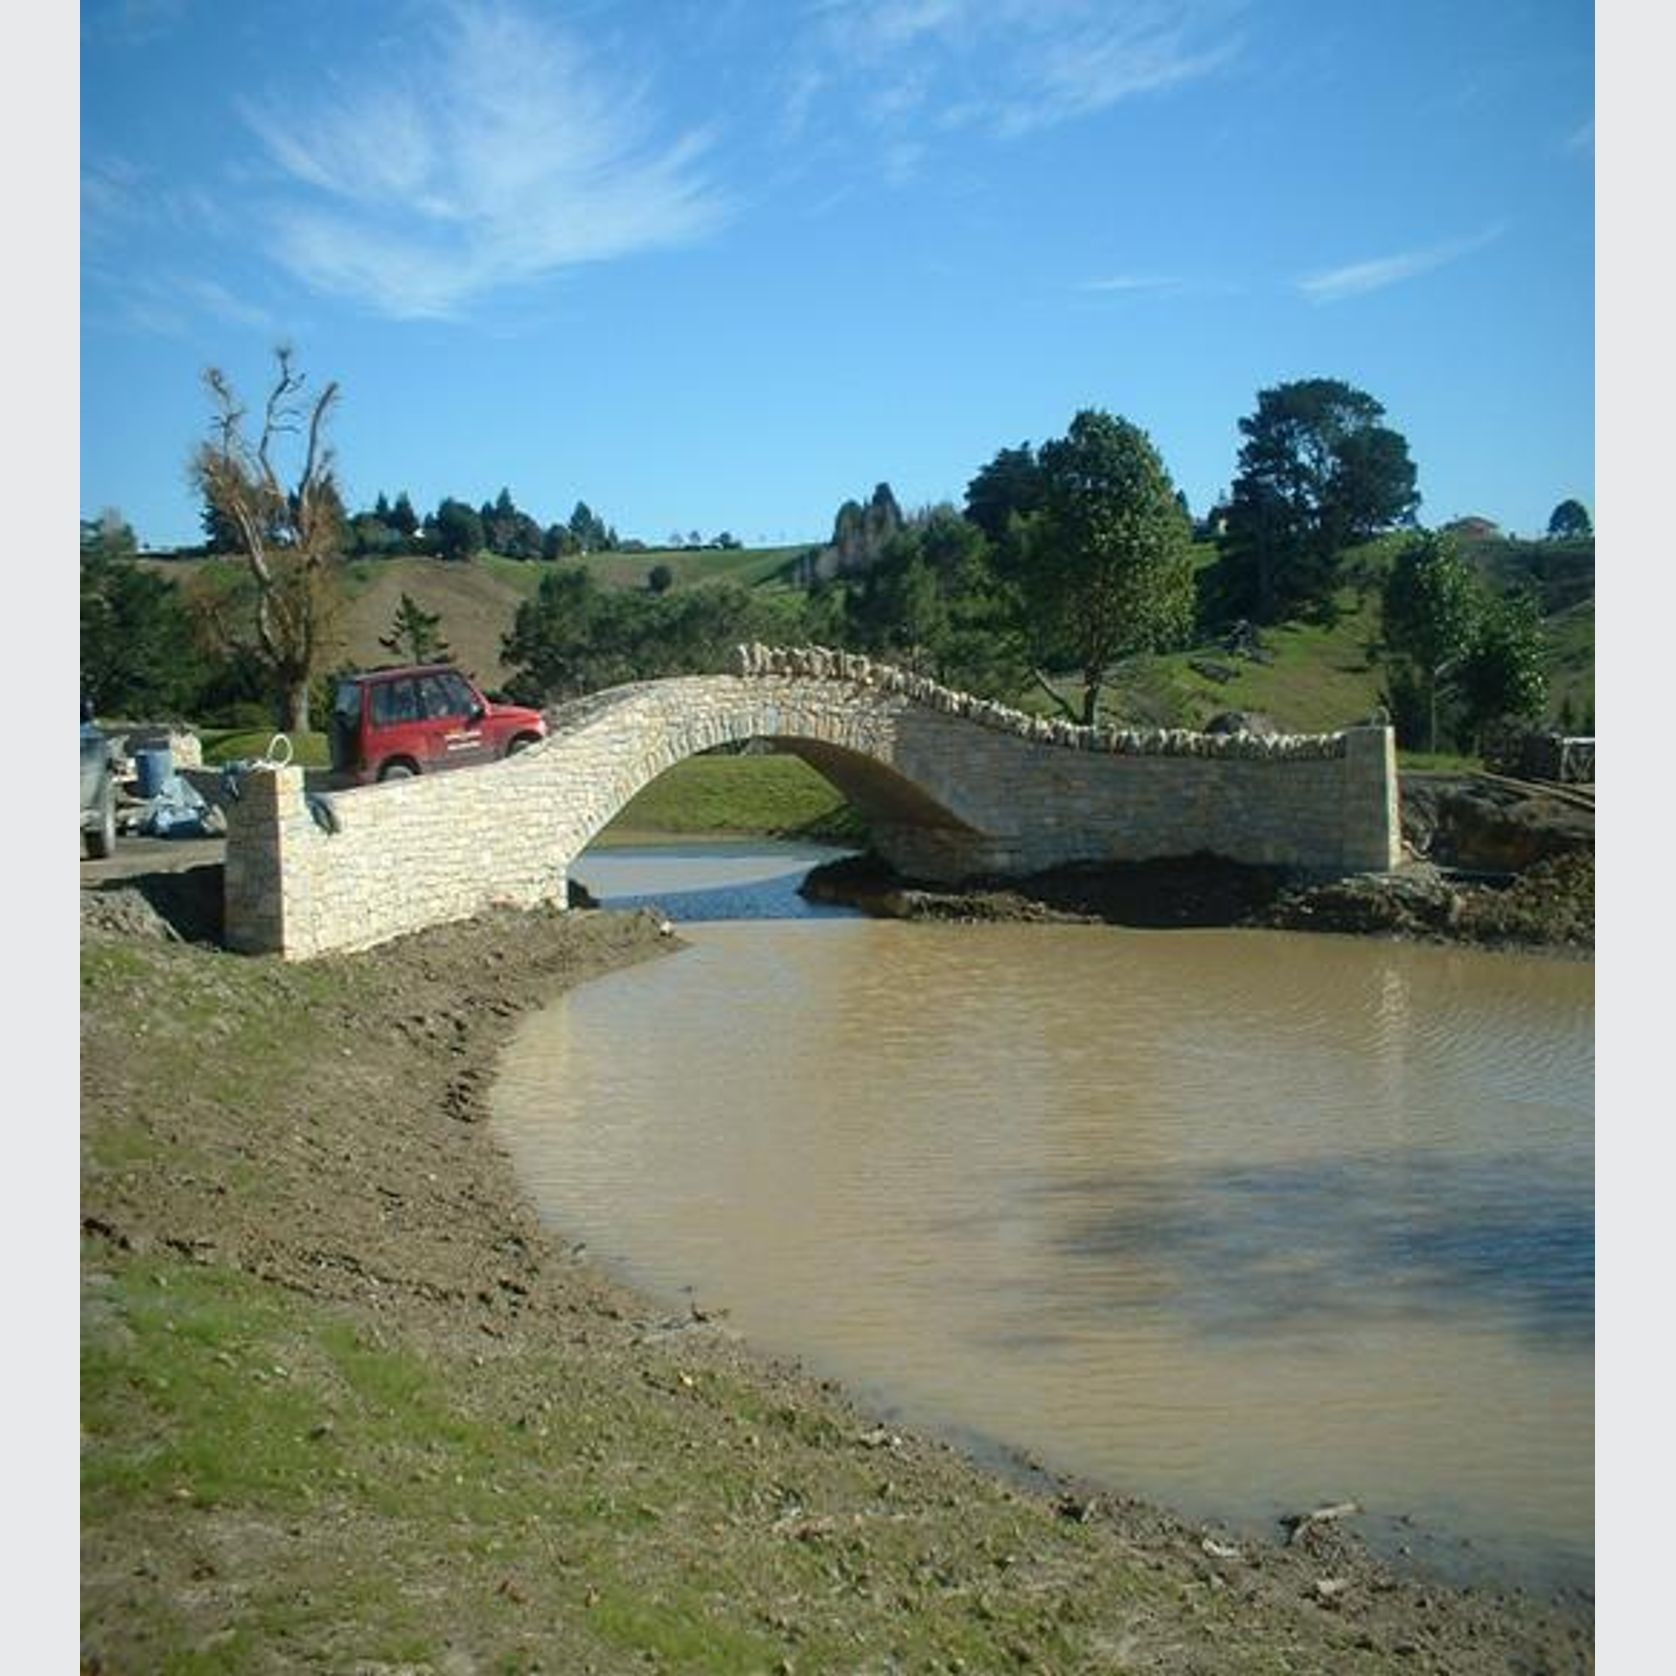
<point x="146" y="649"/>
<point x="454" y="530"/>
<point x="577" y="635"/>
<point x="1067" y="568"/>
<point x="457" y="531"/>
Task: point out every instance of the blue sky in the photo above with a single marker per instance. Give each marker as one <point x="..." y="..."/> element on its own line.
<point x="721" y="264"/>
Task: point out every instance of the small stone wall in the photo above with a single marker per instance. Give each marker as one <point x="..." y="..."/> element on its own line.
<point x="819" y="663"/>
<point x="952" y="786"/>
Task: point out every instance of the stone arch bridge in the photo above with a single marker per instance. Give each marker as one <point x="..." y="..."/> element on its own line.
<point x="952" y="786"/>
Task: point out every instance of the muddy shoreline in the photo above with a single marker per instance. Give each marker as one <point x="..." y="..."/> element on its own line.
<point x="321" y="1159"/>
<point x="1548" y="910"/>
<point x="1487" y="863"/>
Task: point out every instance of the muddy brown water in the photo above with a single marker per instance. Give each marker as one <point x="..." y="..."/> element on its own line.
<point x="1239" y="1222"/>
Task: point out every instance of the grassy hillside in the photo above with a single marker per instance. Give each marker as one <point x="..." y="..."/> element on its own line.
<point x="749" y="565"/>
<point x="1317" y="678"/>
<point x="477" y="600"/>
<point x="1571" y="665"/>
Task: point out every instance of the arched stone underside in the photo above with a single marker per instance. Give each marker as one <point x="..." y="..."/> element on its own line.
<point x="951" y="787"/>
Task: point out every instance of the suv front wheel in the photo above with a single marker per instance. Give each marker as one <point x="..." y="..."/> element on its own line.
<point x="397" y="771"/>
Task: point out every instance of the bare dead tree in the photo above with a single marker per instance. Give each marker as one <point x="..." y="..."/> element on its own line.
<point x="290" y="535"/>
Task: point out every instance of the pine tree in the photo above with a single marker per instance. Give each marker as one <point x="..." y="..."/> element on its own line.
<point x="414" y="634"/>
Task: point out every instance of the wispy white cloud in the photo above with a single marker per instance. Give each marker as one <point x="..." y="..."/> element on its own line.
<point x="120" y="198"/>
<point x="171" y="303"/>
<point x="1013" y="66"/>
<point x="504" y="154"/>
<point x="216" y="300"/>
<point x="110" y="188"/>
<point x="1130" y="282"/>
<point x="1146" y="50"/>
<point x="1358" y="278"/>
<point x="1582" y="137"/>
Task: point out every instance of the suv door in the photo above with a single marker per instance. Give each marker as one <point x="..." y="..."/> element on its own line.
<point x="392" y="729"/>
<point x="453" y="720"/>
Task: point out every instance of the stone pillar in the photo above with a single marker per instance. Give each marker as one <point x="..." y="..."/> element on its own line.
<point x="253" y="890"/>
<point x="1372" y="822"/>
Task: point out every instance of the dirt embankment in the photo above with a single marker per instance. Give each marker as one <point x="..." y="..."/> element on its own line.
<point x="1489" y="864"/>
<point x="347" y="1406"/>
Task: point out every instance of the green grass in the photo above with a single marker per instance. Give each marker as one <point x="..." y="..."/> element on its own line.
<point x="1571" y="664"/>
<point x="749" y="565"/>
<point x="308" y="750"/>
<point x="1318" y="679"/>
<point x="752" y="566"/>
<point x="1322" y="677"/>
<point x="190" y="1399"/>
<point x="780" y="796"/>
<point x="1437" y="762"/>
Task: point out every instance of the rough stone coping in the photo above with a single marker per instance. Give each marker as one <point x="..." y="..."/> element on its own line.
<point x="820" y="663"/>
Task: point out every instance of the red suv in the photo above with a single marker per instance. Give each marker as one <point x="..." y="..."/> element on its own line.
<point x="388" y="724"/>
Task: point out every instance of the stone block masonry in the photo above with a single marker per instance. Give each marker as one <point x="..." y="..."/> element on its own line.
<point x="953" y="786"/>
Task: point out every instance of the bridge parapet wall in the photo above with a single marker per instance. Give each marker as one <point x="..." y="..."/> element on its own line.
<point x="953" y="787"/>
<point x="820" y="663"/>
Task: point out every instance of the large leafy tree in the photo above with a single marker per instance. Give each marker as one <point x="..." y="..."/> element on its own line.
<point x="1570" y="521"/>
<point x="1504" y="674"/>
<point x="403" y="519"/>
<point x="552" y="642"/>
<point x="508" y="531"/>
<point x="459" y="530"/>
<point x="576" y="636"/>
<point x="1008" y="488"/>
<point x="288" y="521"/>
<point x="1432" y="608"/>
<point x="588" y="529"/>
<point x="861" y="533"/>
<point x="138" y="653"/>
<point x="1318" y="472"/>
<point x="932" y="601"/>
<point x="1105" y="571"/>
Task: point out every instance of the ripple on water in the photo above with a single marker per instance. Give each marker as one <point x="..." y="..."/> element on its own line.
<point x="1233" y="1220"/>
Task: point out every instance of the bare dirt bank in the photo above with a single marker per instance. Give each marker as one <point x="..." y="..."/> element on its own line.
<point x="347" y="1406"/>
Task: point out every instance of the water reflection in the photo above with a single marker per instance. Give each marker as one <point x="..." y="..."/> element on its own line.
<point x="1295" y="1247"/>
<point x="741" y="879"/>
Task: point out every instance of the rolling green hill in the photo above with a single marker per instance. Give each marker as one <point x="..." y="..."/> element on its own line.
<point x="1318" y="678"/>
<point x="477" y="600"/>
<point x="1315" y="677"/>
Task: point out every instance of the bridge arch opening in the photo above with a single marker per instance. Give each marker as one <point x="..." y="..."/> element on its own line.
<point x="882" y="798"/>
